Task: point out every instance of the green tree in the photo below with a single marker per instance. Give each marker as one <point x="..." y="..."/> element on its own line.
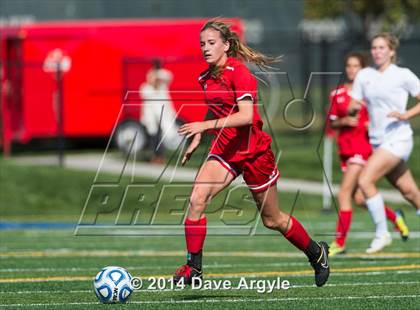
<point x="372" y="15"/>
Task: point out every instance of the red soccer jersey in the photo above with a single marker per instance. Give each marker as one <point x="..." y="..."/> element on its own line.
<point x="235" y="83"/>
<point x="350" y="140"/>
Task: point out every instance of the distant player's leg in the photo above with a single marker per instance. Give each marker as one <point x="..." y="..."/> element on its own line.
<point x="275" y="219"/>
<point x="150" y="120"/>
<point x="347" y="188"/>
<point x="395" y="217"/>
<point x="402" y="179"/>
<point x="379" y="164"/>
<point x="210" y="180"/>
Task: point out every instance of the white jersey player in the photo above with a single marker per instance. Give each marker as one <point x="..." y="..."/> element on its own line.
<point x="158" y="114"/>
<point x="385" y="88"/>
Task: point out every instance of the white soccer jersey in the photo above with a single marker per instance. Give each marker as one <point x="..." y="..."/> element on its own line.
<point x="385" y="92"/>
<point x="157" y="109"/>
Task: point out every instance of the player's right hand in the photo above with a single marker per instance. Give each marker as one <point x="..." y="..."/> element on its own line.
<point x="191" y="148"/>
<point x="354" y="107"/>
<point x="350" y="121"/>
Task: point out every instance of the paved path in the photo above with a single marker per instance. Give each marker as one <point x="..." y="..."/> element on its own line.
<point x="114" y="165"/>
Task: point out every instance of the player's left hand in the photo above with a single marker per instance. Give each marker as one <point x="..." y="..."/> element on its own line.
<point x="191" y="129"/>
<point x="354" y="107"/>
<point x="191" y="148"/>
<point x="398" y="115"/>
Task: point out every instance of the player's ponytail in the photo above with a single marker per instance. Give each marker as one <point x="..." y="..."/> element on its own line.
<point x="392" y="42"/>
<point x="237" y="47"/>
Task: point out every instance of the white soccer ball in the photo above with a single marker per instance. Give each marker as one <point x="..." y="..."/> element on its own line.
<point x="113" y="285"/>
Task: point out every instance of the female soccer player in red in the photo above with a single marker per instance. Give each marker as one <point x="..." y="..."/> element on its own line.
<point x="239" y="147"/>
<point x="354" y="149"/>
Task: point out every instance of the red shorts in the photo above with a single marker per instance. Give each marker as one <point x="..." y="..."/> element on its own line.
<point x="359" y="159"/>
<point x="259" y="172"/>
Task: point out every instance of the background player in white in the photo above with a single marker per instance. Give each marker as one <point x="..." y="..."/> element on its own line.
<point x="385" y="88"/>
<point x="158" y="114"/>
<point x="354" y="150"/>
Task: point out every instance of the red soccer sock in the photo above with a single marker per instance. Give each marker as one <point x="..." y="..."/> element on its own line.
<point x="343" y="226"/>
<point x="390" y="214"/>
<point x="195" y="233"/>
<point x="297" y="235"/>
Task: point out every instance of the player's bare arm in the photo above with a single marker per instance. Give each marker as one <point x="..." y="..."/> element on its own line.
<point x="410" y="113"/>
<point x="191" y="148"/>
<point x="347" y="121"/>
<point x="354" y="106"/>
<point x="241" y="118"/>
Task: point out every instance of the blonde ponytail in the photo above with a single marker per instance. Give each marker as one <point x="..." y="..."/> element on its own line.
<point x="237" y="47"/>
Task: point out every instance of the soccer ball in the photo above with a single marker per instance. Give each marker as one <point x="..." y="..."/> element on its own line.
<point x="113" y="285"/>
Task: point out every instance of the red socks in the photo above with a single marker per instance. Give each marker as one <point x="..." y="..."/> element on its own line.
<point x="344" y="222"/>
<point x="195" y="233"/>
<point x="297" y="235"/>
<point x="343" y="226"/>
<point x="390" y="214"/>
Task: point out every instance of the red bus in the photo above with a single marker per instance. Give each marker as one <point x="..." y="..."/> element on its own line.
<point x="100" y="62"/>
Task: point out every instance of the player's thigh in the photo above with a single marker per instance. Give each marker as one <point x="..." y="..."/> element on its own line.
<point x="267" y="202"/>
<point x="380" y="163"/>
<point x="402" y="179"/>
<point x="395" y="174"/>
<point x="350" y="177"/>
<point x="210" y="180"/>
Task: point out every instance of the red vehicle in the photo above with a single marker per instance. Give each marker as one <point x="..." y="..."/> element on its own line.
<point x="99" y="61"/>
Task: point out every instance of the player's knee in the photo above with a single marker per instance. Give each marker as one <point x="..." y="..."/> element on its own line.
<point x="410" y="193"/>
<point x="364" y="182"/>
<point x="199" y="196"/>
<point x="198" y="201"/>
<point x="270" y="223"/>
<point x="278" y="222"/>
<point x="359" y="199"/>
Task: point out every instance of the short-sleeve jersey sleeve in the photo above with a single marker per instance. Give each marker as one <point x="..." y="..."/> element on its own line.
<point x="411" y="83"/>
<point x="332" y="111"/>
<point x="357" y="90"/>
<point x="244" y="84"/>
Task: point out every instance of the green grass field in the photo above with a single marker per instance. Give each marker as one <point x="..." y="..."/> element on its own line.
<point x="53" y="268"/>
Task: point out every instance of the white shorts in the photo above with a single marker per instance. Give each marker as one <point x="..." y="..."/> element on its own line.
<point x="400" y="148"/>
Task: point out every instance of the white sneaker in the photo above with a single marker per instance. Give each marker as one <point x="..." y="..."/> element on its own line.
<point x="379" y="243"/>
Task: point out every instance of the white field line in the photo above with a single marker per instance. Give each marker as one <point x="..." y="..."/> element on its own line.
<point x="128" y="230"/>
<point x="163" y="267"/>
<point x="250" y="289"/>
<point x="67" y="252"/>
<point x="223" y="300"/>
